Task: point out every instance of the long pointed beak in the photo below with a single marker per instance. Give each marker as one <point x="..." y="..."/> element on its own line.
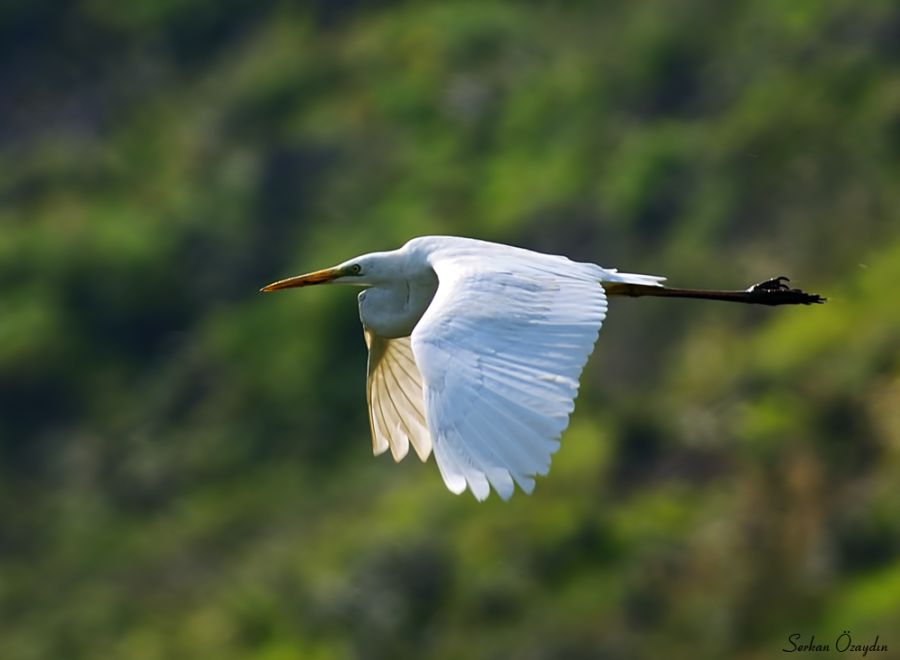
<point x="318" y="277"/>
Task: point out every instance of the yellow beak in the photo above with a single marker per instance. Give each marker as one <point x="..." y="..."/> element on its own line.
<point x="318" y="277"/>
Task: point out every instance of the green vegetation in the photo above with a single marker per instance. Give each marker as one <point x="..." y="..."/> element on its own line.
<point x="185" y="468"/>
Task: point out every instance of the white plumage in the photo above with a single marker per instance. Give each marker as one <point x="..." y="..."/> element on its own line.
<point x="475" y="352"/>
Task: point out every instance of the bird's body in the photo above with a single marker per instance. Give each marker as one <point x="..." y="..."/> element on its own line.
<point x="476" y="349"/>
<point x="402" y="283"/>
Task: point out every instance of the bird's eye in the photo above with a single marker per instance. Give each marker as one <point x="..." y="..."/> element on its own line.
<point x="356" y="269"/>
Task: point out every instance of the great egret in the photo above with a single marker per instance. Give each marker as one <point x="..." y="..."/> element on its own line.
<point x="476" y="348"/>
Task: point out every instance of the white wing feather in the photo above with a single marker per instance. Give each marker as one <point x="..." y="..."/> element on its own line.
<point x="394" y="393"/>
<point x="500" y="351"/>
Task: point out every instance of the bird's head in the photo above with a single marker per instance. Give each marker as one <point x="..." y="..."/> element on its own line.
<point x="366" y="270"/>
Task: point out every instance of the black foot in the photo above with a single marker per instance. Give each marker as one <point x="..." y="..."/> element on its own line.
<point x="777" y="292"/>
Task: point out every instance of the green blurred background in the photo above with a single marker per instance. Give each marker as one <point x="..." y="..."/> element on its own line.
<point x="185" y="466"/>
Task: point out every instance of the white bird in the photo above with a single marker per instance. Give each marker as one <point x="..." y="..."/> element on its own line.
<point x="476" y="349"/>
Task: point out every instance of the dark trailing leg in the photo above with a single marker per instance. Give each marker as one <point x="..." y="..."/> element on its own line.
<point x="771" y="292"/>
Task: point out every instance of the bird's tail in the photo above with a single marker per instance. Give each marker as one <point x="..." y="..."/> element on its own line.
<point x="612" y="275"/>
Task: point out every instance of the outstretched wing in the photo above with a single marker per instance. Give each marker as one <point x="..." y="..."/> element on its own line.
<point x="394" y="395"/>
<point x="500" y="350"/>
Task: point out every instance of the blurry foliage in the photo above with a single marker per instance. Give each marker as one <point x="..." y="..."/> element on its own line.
<point x="184" y="465"/>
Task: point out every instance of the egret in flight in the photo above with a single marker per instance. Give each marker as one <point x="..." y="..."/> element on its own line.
<point x="476" y="349"/>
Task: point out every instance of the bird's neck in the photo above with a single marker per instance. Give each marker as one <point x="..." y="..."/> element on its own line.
<point x="394" y="310"/>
